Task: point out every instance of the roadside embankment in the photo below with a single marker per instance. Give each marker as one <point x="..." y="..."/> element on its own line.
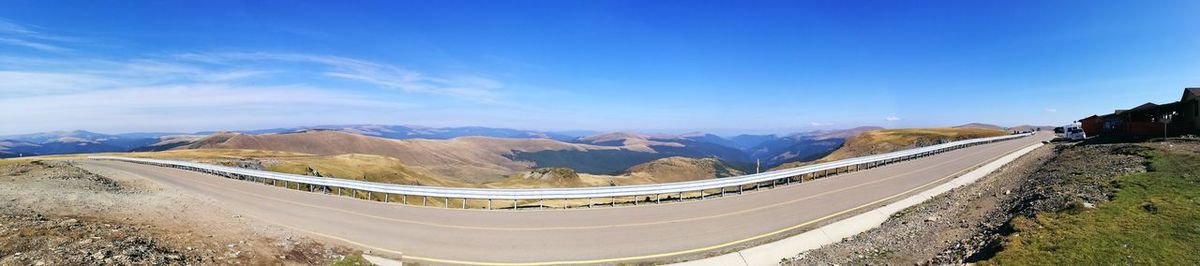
<point x="1039" y="195"/>
<point x="55" y="213"/>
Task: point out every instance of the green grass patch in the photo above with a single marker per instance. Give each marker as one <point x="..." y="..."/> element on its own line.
<point x="352" y="260"/>
<point x="1154" y="219"/>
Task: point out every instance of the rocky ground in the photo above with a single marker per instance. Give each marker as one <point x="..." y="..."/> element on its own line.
<point x="54" y="213"/>
<point x="968" y="223"/>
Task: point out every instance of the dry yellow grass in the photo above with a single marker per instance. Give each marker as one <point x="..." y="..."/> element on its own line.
<point x="664" y="170"/>
<point x="473" y="160"/>
<point x="9" y="161"/>
<point x="364" y="167"/>
<point x="390" y="170"/>
<point x="680" y="169"/>
<point x="889" y="140"/>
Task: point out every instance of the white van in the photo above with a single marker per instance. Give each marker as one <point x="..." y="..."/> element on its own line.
<point x="1070" y="132"/>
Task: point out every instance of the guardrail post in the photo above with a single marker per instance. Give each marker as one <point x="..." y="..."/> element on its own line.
<point x="464" y="206"/>
<point x="424" y="200"/>
<point x="489" y="204"/>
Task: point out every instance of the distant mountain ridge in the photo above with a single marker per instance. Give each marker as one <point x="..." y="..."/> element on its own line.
<point x="81" y="141"/>
<point x="980" y="126"/>
<point x="801" y="146"/>
<point x="63" y="142"/>
<point x="889" y="140"/>
<point x="418" y="132"/>
<point x="741" y="150"/>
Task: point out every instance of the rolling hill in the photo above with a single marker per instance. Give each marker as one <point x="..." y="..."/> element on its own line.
<point x="664" y="170"/>
<point x="418" y="132"/>
<point x="444" y="157"/>
<point x="802" y="146"/>
<point x="466" y="159"/>
<point x="66" y="142"/>
<point x="679" y="169"/>
<point x="80" y="141"/>
<point x="1024" y="128"/>
<point x="980" y="126"/>
<point x="889" y="140"/>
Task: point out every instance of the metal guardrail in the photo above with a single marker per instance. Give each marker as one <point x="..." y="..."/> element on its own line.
<point x="672" y="191"/>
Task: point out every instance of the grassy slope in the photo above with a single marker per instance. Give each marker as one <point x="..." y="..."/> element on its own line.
<point x="366" y="167"/>
<point x="680" y="169"/>
<point x="347" y="166"/>
<point x="889" y="140"/>
<point x="1154" y="218"/>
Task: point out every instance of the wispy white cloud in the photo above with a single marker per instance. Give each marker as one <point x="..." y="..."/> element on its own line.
<point x="25" y="77"/>
<point x="32" y="83"/>
<point x="18" y="35"/>
<point x="815" y="124"/>
<point x="892" y="118"/>
<point x="31" y="44"/>
<point x="40" y="93"/>
<point x="203" y="106"/>
<point x="1050" y="110"/>
<point x="9" y="27"/>
<point x="209" y="90"/>
<point x="465" y="87"/>
<point x="235" y="75"/>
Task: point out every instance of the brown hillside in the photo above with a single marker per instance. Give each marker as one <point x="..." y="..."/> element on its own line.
<point x="549" y="177"/>
<point x="889" y="140"/>
<point x="664" y="170"/>
<point x="1024" y="128"/>
<point x="468" y="159"/>
<point x="679" y="169"/>
<point x="980" y="126"/>
<point x="631" y="140"/>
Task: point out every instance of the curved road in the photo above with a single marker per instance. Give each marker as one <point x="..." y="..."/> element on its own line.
<point x="655" y="232"/>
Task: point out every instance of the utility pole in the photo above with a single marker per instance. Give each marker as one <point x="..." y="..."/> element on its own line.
<point x="1166" y="120"/>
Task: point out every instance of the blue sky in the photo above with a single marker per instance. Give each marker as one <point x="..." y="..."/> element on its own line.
<point x="656" y="66"/>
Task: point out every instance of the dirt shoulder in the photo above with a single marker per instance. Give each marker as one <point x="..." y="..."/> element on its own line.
<point x="55" y="213"/>
<point x="969" y="223"/>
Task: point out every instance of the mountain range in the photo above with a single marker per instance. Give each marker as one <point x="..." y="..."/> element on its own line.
<point x="81" y="141"/>
<point x="475" y="153"/>
<point x="741" y="150"/>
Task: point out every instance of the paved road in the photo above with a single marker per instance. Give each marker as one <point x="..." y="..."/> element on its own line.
<point x="603" y="235"/>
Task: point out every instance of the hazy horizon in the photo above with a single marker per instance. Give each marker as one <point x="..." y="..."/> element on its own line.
<point x="719" y="132"/>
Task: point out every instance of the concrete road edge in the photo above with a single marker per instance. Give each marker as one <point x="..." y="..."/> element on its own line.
<point x="772" y="253"/>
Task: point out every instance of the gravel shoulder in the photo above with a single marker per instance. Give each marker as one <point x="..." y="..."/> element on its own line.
<point x="55" y="213"/>
<point x="968" y="223"/>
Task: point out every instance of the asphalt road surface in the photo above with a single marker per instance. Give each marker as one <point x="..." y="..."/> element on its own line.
<point x="654" y="232"/>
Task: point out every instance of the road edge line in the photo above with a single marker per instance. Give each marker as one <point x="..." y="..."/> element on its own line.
<point x="772" y="253"/>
